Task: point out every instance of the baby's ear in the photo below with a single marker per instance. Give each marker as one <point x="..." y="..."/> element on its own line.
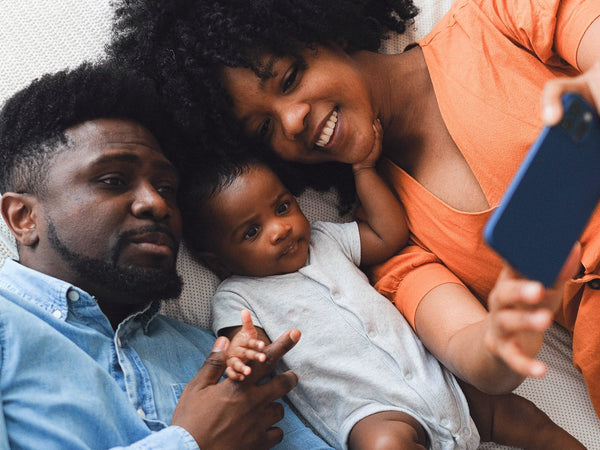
<point x="214" y="263"/>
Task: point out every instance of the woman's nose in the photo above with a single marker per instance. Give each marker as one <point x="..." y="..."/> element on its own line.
<point x="293" y="118"/>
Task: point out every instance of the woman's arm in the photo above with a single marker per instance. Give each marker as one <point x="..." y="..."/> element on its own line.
<point x="495" y="350"/>
<point x="587" y="84"/>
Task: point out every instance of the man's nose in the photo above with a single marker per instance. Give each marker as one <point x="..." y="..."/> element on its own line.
<point x="148" y="202"/>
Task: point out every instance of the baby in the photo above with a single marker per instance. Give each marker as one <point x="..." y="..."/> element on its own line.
<point x="365" y="379"/>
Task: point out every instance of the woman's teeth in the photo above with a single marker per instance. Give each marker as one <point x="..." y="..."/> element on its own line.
<point x="327" y="130"/>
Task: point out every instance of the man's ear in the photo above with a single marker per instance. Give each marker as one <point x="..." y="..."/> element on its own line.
<point x="19" y="213"/>
<point x="214" y="263"/>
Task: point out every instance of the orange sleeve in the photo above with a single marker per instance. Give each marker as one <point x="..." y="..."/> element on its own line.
<point x="407" y="277"/>
<point x="546" y="28"/>
<point x="574" y="18"/>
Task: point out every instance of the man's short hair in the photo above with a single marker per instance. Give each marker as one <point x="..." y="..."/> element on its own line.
<point x="34" y="120"/>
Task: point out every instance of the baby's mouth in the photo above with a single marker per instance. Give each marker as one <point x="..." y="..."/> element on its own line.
<point x="328" y="130"/>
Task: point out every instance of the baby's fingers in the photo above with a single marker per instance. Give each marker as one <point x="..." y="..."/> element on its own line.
<point x="236" y="369"/>
<point x="247" y="325"/>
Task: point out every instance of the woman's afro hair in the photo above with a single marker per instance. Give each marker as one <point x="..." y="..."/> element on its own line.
<point x="184" y="44"/>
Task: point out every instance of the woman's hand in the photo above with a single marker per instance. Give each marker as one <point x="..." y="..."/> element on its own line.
<point x="587" y="85"/>
<point x="520" y="312"/>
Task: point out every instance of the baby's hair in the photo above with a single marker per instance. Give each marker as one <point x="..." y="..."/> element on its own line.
<point x="184" y="45"/>
<point x="217" y="174"/>
<point x="34" y="120"/>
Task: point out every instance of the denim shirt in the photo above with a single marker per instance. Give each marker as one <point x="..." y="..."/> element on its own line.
<point x="68" y="381"/>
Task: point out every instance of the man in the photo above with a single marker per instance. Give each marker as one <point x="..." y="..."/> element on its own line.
<point x="86" y="360"/>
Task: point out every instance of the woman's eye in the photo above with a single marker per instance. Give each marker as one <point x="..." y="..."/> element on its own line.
<point x="282" y="208"/>
<point x="251" y="232"/>
<point x="289" y="81"/>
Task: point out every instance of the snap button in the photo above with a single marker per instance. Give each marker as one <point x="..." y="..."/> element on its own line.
<point x="141" y="413"/>
<point x="57" y="314"/>
<point x="73" y="295"/>
<point x="594" y="284"/>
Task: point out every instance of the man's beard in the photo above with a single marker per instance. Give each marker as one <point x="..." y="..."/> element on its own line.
<point x="144" y="284"/>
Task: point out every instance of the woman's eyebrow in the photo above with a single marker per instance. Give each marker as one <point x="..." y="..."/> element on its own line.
<point x="265" y="72"/>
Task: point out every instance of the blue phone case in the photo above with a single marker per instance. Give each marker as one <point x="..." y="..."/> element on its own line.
<point x="552" y="196"/>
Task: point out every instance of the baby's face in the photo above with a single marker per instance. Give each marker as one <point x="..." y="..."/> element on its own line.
<point x="259" y="227"/>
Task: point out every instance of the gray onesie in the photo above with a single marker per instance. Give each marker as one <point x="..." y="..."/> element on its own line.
<point x="357" y="355"/>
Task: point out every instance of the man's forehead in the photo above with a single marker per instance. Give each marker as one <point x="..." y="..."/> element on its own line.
<point x="102" y="141"/>
<point x="113" y="131"/>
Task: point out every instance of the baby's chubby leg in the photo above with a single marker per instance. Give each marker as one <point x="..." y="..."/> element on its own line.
<point x="388" y="430"/>
<point x="515" y="421"/>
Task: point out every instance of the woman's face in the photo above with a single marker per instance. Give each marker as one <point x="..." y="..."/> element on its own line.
<point x="314" y="109"/>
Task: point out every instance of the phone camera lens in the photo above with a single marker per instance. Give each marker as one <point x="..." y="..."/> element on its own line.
<point x="566" y="123"/>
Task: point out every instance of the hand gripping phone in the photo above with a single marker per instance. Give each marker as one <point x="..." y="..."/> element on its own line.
<point x="552" y="196"/>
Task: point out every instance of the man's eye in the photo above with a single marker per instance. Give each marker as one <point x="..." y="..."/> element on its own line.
<point x="251" y="232"/>
<point x="167" y="190"/>
<point x="282" y="208"/>
<point x="113" y="181"/>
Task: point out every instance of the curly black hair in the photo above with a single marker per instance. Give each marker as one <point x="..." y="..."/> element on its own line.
<point x="184" y="44"/>
<point x="33" y="121"/>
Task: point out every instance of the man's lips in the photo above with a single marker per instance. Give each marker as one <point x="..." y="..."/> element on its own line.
<point x="154" y="242"/>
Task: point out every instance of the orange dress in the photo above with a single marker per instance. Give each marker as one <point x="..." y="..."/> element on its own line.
<point x="493" y="112"/>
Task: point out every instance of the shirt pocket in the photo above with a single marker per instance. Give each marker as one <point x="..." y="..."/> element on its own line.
<point x="177" y="390"/>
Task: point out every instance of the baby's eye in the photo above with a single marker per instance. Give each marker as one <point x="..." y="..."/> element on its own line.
<point x="282" y="208"/>
<point x="251" y="232"/>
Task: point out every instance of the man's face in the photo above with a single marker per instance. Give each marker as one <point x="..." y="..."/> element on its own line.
<point x="110" y="223"/>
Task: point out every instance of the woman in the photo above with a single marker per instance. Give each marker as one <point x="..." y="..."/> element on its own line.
<point x="459" y="111"/>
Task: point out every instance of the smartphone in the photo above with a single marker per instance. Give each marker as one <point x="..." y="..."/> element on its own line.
<point x="552" y="196"/>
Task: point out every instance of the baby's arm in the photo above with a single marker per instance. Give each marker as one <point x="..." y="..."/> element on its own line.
<point x="247" y="341"/>
<point x="383" y="228"/>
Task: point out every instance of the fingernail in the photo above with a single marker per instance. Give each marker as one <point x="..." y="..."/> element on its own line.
<point x="220" y="344"/>
<point x="549" y="115"/>
<point x="295" y="335"/>
<point x="540" y="317"/>
<point x="531" y="290"/>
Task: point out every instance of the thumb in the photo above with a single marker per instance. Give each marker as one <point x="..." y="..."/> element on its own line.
<point x="214" y="365"/>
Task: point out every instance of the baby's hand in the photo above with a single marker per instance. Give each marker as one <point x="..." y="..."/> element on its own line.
<point x="244" y="347"/>
<point x="373" y="156"/>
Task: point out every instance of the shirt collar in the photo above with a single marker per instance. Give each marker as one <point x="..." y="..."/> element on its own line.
<point x="51" y="294"/>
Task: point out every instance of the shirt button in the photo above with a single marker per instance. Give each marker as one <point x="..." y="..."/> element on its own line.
<point x="119" y="344"/>
<point x="73" y="295"/>
<point x="141" y="413"/>
<point x="408" y="375"/>
<point x="594" y="284"/>
<point x="57" y="314"/>
<point x="445" y="423"/>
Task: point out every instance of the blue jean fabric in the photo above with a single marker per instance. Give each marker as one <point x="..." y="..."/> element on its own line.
<point x="68" y="381"/>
